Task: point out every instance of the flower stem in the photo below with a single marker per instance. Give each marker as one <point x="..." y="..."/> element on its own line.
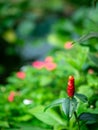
<point x="75" y="114"/>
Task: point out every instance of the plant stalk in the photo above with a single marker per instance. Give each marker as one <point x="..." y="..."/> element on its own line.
<point x="75" y="114"/>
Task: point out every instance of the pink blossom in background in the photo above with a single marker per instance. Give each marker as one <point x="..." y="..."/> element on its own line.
<point x="21" y="75"/>
<point x="47" y="63"/>
<point x="11" y="96"/>
<point x="49" y="59"/>
<point x="68" y="45"/>
<point x="38" y="64"/>
<point x="90" y="71"/>
<point x="50" y="66"/>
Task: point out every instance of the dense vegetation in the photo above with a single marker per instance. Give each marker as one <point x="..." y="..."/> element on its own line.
<point x="42" y="44"/>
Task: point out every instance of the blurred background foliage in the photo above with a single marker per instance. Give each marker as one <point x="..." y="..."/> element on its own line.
<point x="37" y="30"/>
<point x="30" y="28"/>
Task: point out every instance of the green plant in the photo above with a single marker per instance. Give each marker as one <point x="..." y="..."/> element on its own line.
<point x="69" y="104"/>
<point x="36" y="85"/>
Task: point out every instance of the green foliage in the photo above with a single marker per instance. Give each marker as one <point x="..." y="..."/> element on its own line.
<point x="89" y="118"/>
<point x="40" y="87"/>
<point x="87" y="36"/>
<point x="69" y="107"/>
<point x="56" y="103"/>
<point x="94" y="59"/>
<point x="49" y="117"/>
<point x="24" y="99"/>
<point x="82" y="97"/>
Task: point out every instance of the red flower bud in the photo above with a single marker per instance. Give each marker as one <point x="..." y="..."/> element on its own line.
<point x="70" y="88"/>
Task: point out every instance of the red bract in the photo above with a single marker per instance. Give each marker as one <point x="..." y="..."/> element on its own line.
<point x="21" y="75"/>
<point x="71" y="88"/>
<point x="11" y="96"/>
<point x="38" y="64"/>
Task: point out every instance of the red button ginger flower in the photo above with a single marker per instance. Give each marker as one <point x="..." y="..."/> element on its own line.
<point x="11" y="96"/>
<point x="68" y="45"/>
<point x="21" y="75"/>
<point x="38" y="64"/>
<point x="70" y="87"/>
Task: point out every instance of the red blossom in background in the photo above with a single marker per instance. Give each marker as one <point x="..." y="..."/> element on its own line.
<point x="90" y="71"/>
<point x="68" y="45"/>
<point x="21" y="75"/>
<point x="38" y="64"/>
<point x="47" y="63"/>
<point x="49" y="59"/>
<point x="70" y="87"/>
<point x="50" y="66"/>
<point x="11" y="96"/>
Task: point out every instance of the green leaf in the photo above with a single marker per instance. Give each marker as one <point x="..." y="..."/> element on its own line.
<point x="49" y="117"/>
<point x="73" y="106"/>
<point x="94" y="59"/>
<point x="4" y="124"/>
<point x="45" y="80"/>
<point x="76" y="61"/>
<point x="87" y="36"/>
<point x="33" y="128"/>
<point x="24" y="118"/>
<point x="28" y="126"/>
<point x="25" y="27"/>
<point x="82" y="97"/>
<point x="66" y="106"/>
<point x="89" y="118"/>
<point x="94" y="2"/>
<point x="69" y="106"/>
<point x="55" y="103"/>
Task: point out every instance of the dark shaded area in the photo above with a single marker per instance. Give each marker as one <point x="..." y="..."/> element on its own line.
<point x="8" y="62"/>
